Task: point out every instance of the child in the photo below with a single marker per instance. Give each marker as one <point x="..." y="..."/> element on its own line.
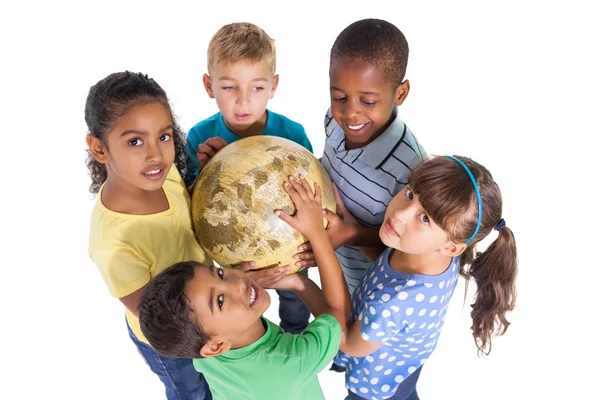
<point x="215" y="315"/>
<point x="241" y="78"/>
<point x="431" y="228"/>
<point x="141" y="220"/>
<point x="369" y="152"/>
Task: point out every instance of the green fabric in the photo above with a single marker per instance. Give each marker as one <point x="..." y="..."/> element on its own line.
<point x="276" y="366"/>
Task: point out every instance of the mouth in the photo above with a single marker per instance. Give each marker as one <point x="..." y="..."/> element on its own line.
<point x="389" y="228"/>
<point x="241" y="116"/>
<point x="254" y="295"/>
<point x="154" y="173"/>
<point x="357" y="129"/>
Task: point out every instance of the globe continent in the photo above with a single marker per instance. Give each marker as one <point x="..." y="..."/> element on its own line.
<point x="237" y="192"/>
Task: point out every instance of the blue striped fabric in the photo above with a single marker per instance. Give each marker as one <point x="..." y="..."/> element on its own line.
<point x="368" y="178"/>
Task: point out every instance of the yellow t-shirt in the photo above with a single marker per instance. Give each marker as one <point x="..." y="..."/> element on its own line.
<point x="129" y="250"/>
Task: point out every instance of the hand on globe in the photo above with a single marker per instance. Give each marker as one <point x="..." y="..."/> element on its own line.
<point x="306" y="256"/>
<point x="208" y="149"/>
<point x="308" y="218"/>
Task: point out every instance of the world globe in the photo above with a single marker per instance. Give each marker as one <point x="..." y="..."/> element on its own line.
<point x="237" y="192"/>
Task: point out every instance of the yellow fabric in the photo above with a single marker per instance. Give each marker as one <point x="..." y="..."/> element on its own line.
<point x="129" y="250"/>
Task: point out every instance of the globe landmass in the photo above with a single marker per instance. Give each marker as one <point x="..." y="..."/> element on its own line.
<point x="237" y="192"/>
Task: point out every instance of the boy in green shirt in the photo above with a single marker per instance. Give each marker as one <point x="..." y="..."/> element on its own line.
<point x="214" y="315"/>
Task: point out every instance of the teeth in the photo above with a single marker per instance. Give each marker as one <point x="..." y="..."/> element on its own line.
<point x="252" y="295"/>
<point x="356" y="127"/>
<point x="152" y="172"/>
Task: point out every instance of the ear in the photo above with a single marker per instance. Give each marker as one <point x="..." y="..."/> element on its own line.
<point x="214" y="348"/>
<point x="401" y="92"/>
<point x="207" y="80"/>
<point x="452" y="249"/>
<point x="275" y="83"/>
<point x="97" y="148"/>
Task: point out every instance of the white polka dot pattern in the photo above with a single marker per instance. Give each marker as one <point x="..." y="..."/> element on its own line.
<point x="405" y="312"/>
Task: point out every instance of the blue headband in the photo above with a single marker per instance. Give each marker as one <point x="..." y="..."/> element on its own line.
<point x="462" y="164"/>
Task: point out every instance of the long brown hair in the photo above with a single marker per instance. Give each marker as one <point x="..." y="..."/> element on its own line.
<point x="447" y="194"/>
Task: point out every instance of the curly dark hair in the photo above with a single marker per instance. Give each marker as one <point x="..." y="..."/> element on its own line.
<point x="446" y="193"/>
<point x="111" y="98"/>
<point x="166" y="317"/>
<point x="378" y="43"/>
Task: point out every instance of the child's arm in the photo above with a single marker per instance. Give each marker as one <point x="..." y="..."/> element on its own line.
<point x="308" y="220"/>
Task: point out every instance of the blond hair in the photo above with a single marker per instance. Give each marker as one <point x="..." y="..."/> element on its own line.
<point x="241" y="41"/>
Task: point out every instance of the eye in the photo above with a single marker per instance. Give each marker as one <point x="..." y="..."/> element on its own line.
<point x="228" y="87"/>
<point x="409" y="194"/>
<point x="220" y="301"/>
<point x="258" y="88"/>
<point x="221" y="273"/>
<point x="370" y="103"/>
<point x="135" y="142"/>
<point x="165" y="138"/>
<point x="424" y="218"/>
<point x="338" y="99"/>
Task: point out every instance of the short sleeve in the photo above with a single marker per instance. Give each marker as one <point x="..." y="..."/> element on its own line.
<point x="380" y="321"/>
<point x="191" y="148"/>
<point x="318" y="344"/>
<point x="123" y="271"/>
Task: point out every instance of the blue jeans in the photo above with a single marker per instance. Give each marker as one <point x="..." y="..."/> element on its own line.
<point x="181" y="380"/>
<point x="406" y="391"/>
<point x="293" y="313"/>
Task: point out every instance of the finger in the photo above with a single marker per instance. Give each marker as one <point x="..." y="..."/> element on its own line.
<point x="305" y="255"/>
<point x="339" y="203"/>
<point x="216" y="143"/>
<point x="331" y="216"/>
<point x="297" y="185"/>
<point x="306" y="187"/>
<point x="306" y="264"/>
<point x="205" y="149"/>
<point x="291" y="190"/>
<point x="245" y="266"/>
<point x="318" y="194"/>
<point x="305" y="246"/>
<point x="285" y="217"/>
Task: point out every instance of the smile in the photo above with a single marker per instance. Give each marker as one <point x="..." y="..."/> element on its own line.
<point x="355" y="127"/>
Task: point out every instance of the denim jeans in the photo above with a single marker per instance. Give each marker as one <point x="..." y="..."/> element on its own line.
<point x="293" y="313"/>
<point x="406" y="391"/>
<point x="181" y="380"/>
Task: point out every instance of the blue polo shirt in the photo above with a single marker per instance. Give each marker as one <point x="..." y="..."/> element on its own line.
<point x="368" y="178"/>
<point x="277" y="125"/>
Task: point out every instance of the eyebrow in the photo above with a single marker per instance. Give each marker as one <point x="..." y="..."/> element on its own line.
<point x="370" y="93"/>
<point x="228" y="78"/>
<point x="140" y="132"/>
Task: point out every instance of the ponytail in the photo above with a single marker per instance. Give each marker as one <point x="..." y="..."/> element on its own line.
<point x="494" y="272"/>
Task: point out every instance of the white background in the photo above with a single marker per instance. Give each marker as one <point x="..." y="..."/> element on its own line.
<point x="513" y="85"/>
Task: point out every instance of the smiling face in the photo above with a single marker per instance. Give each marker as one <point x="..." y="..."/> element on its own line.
<point x="408" y="228"/>
<point x="362" y="101"/>
<point x="242" y="90"/>
<point x="227" y="303"/>
<point x="140" y="148"/>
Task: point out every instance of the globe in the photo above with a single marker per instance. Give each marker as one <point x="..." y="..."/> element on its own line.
<point x="237" y="192"/>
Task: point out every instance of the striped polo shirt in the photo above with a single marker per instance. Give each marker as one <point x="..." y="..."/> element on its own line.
<point x="367" y="179"/>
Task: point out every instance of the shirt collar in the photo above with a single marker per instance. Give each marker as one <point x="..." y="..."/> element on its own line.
<point x="271" y="332"/>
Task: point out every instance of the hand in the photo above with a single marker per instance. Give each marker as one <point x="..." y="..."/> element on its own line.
<point x="288" y="282"/>
<point x="264" y="277"/>
<point x="340" y="228"/>
<point x="308" y="218"/>
<point x="208" y="149"/>
<point x="306" y="256"/>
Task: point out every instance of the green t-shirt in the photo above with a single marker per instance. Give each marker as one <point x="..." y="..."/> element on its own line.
<point x="276" y="366"/>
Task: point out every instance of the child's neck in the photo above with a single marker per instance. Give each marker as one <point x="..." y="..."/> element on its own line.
<point x="123" y="198"/>
<point x="422" y="264"/>
<point x="255" y="129"/>
<point x="255" y="332"/>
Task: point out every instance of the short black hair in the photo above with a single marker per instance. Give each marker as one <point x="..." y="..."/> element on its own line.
<point x="378" y="43"/>
<point x="166" y="318"/>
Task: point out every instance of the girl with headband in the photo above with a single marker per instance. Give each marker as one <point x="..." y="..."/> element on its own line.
<point x="431" y="229"/>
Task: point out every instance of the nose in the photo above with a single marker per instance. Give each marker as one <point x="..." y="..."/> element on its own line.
<point x="243" y="97"/>
<point x="353" y="108"/>
<point x="238" y="287"/>
<point x="154" y="153"/>
<point x="403" y="213"/>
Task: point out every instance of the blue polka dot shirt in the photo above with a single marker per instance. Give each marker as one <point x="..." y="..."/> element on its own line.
<point x="404" y="311"/>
